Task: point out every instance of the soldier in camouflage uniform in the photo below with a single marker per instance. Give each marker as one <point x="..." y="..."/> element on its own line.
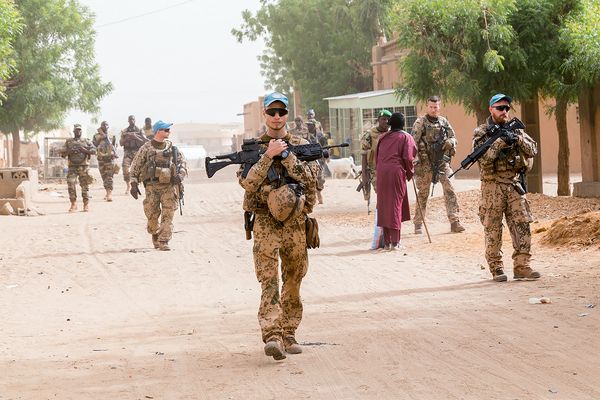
<point x="132" y="138"/>
<point x="78" y="151"/>
<point x="161" y="168"/>
<point x="299" y="128"/>
<point x="106" y="154"/>
<point x="147" y="129"/>
<point x="279" y="237"/>
<point x="502" y="195"/>
<point x="368" y="145"/>
<point x="429" y="130"/>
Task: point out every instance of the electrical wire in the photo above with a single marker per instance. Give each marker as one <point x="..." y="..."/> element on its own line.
<point x="144" y="14"/>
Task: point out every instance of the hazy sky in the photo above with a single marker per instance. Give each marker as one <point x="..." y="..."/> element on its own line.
<point x="179" y="64"/>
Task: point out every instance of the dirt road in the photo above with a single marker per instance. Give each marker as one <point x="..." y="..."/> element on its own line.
<point x="90" y="311"/>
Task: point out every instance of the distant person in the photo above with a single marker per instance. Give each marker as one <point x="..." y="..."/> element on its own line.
<point x="311" y="118"/>
<point x="147" y="129"/>
<point x="502" y="194"/>
<point x="299" y="128"/>
<point x="396" y="151"/>
<point x="368" y="145"/>
<point x="433" y="132"/>
<point x="161" y="167"/>
<point x="279" y="193"/>
<point x="106" y="154"/>
<point x="78" y="151"/>
<point x="132" y="139"/>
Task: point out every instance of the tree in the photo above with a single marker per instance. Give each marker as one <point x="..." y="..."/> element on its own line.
<point x="464" y="50"/>
<point x="56" y="70"/>
<point x="10" y="27"/>
<point x="323" y="47"/>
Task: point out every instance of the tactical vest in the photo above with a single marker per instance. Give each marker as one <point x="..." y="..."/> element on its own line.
<point x="74" y="153"/>
<point x="104" y="150"/>
<point x="432" y="132"/>
<point x="131" y="144"/>
<point x="507" y="165"/>
<point x="159" y="164"/>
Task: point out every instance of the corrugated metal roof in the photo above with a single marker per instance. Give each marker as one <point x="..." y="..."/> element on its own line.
<point x="362" y="95"/>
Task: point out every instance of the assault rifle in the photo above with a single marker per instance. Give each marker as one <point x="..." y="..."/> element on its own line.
<point x="252" y="150"/>
<point x="439" y="157"/>
<point x="180" y="188"/>
<point x="497" y="131"/>
<point x="365" y="185"/>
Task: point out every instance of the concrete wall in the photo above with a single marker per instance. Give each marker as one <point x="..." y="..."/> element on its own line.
<point x="17" y="186"/>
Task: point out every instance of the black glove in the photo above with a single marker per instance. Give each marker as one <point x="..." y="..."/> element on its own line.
<point x="176" y="180"/>
<point x="135" y="191"/>
<point x="510" y="137"/>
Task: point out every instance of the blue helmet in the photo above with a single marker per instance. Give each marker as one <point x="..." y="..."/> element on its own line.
<point x="158" y="125"/>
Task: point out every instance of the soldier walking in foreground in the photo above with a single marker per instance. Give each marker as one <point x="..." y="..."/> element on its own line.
<point x="106" y="154"/>
<point x="132" y="139"/>
<point x="78" y="151"/>
<point x="436" y="143"/>
<point x="161" y="168"/>
<point x="502" y="193"/>
<point x="280" y="190"/>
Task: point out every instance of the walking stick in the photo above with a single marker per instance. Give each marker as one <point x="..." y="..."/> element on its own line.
<point x="420" y="209"/>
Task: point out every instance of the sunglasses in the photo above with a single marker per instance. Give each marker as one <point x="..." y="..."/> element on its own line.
<point x="272" y="111"/>
<point x="502" y="108"/>
<point x="165" y="130"/>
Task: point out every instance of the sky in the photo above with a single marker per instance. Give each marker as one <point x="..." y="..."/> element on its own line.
<point x="179" y="62"/>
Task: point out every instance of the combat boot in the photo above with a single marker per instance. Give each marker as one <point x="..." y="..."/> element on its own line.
<point x="73" y="206"/>
<point x="525" y="273"/>
<point x="108" y="195"/>
<point x="163" y="246"/>
<point x="86" y="205"/>
<point x="155" y="241"/>
<point x="456" y="227"/>
<point x="291" y="346"/>
<point x="498" y="275"/>
<point x="273" y="349"/>
<point x="418" y="229"/>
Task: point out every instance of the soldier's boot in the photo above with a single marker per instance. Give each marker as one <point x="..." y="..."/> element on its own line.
<point x="418" y="229"/>
<point x="155" y="241"/>
<point x="456" y="227"/>
<point x="498" y="275"/>
<point x="163" y="246"/>
<point x="108" y="195"/>
<point x="73" y="206"/>
<point x="86" y="205"/>
<point x="526" y="273"/>
<point x="319" y="197"/>
<point x="128" y="188"/>
<point x="273" y="349"/>
<point x="291" y="346"/>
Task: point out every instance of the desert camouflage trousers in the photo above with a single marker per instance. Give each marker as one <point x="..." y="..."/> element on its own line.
<point x="500" y="200"/>
<point x="423" y="177"/>
<point x="127" y="159"/>
<point x="279" y="315"/>
<point x="107" y="171"/>
<point x="160" y="202"/>
<point x="80" y="172"/>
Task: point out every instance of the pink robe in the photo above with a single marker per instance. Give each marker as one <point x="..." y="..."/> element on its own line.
<point x="394" y="157"/>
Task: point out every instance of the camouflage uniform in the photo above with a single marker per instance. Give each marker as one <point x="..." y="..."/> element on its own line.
<point x="161" y="198"/>
<point x="368" y="145"/>
<point x="301" y="132"/>
<point x="131" y="147"/>
<point x="426" y="132"/>
<point x="499" y="167"/>
<point x="279" y="316"/>
<point x="106" y="155"/>
<point x="316" y="138"/>
<point x="148" y="133"/>
<point x="79" y="163"/>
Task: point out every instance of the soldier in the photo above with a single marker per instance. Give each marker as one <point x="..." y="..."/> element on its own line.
<point x="280" y="190"/>
<point x="148" y="133"/>
<point x="311" y="119"/>
<point x="132" y="139"/>
<point x="106" y="154"/>
<point x="368" y="144"/>
<point x="502" y="194"/>
<point x="161" y="168"/>
<point x="78" y="150"/>
<point x="433" y="132"/>
<point x="299" y="129"/>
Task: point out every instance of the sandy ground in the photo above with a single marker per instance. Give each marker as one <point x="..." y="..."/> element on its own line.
<point x="90" y="311"/>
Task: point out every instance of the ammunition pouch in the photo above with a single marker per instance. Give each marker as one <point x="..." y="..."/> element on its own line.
<point x="163" y="175"/>
<point x="312" y="233"/>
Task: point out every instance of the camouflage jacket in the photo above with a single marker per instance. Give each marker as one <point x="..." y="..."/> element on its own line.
<point x="257" y="185"/>
<point x="153" y="156"/>
<point x="368" y="145"/>
<point x="132" y="138"/>
<point x="426" y="132"/>
<point x="501" y="162"/>
<point x="72" y="150"/>
<point x="104" y="146"/>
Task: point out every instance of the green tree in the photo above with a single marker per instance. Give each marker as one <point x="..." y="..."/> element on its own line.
<point x="321" y="47"/>
<point x="56" y="70"/>
<point x="465" y="50"/>
<point x="10" y="27"/>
